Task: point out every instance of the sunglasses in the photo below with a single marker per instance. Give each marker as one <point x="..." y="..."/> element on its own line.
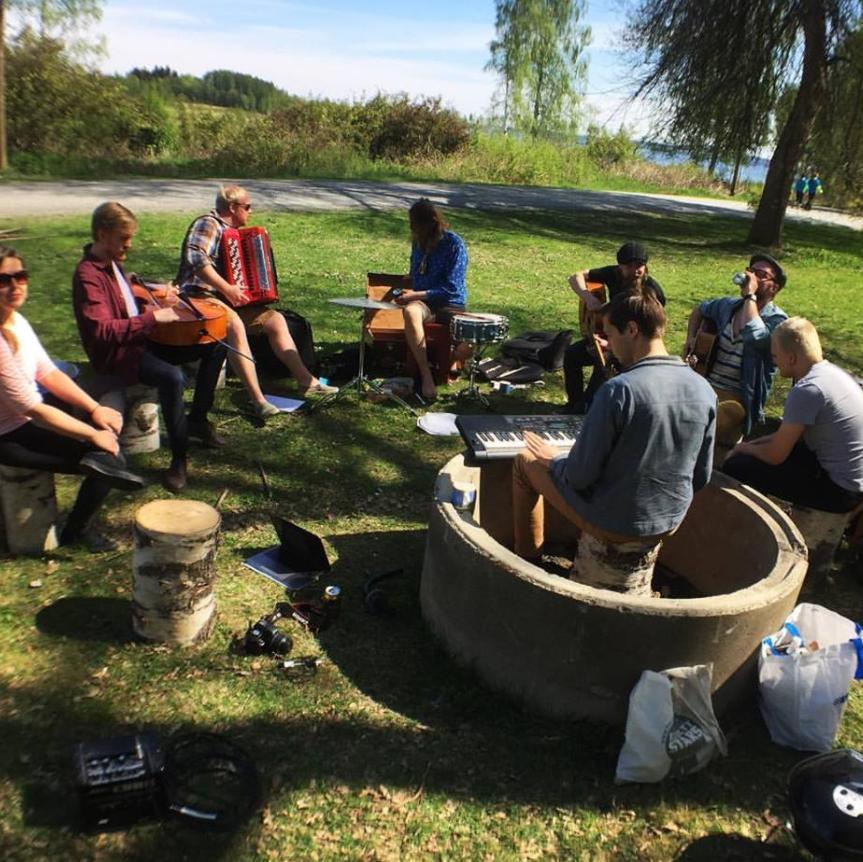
<point x="765" y="274"/>
<point x="6" y="278"/>
<point x="245" y="207"/>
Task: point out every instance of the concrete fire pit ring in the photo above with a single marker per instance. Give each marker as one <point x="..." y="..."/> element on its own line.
<point x="569" y="651"/>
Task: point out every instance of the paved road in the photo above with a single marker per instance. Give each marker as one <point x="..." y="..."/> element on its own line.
<point x="19" y="200"/>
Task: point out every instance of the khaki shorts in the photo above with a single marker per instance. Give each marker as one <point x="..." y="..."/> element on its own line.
<point x="253" y="316"/>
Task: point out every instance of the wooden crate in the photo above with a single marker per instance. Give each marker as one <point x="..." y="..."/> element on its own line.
<point x="385" y="332"/>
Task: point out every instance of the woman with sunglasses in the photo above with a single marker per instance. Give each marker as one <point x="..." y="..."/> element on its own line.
<point x="437" y="275"/>
<point x="37" y="436"/>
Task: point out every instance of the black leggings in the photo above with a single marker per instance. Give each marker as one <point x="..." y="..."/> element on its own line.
<point x="800" y="479"/>
<point x="35" y="448"/>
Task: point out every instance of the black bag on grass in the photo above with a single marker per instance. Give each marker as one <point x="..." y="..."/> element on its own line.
<point x="545" y="348"/>
<point x="511" y="370"/>
<point x="301" y="331"/>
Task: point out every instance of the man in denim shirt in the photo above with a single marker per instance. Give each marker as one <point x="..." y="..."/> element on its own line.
<point x="742" y="372"/>
<point x="645" y="447"/>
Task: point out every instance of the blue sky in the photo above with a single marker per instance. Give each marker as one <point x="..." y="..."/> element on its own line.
<point x="347" y="49"/>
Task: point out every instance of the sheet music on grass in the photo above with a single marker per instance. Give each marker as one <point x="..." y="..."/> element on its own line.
<point x="286" y="405"/>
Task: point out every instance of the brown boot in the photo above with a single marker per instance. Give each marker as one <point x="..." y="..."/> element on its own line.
<point x="205" y="433"/>
<point x="175" y="476"/>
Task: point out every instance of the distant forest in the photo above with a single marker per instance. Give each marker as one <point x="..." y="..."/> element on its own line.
<point x="220" y="87"/>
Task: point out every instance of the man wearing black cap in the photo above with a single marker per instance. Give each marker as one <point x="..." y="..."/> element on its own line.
<point x="629" y="274"/>
<point x="741" y="371"/>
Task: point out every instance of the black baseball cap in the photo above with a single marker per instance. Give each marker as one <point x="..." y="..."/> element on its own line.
<point x="631" y="251"/>
<point x="781" y="277"/>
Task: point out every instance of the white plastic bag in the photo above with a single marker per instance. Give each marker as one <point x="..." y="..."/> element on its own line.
<point x="804" y="673"/>
<point x="671" y="729"/>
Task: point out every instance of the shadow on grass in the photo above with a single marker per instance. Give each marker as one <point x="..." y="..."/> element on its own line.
<point x="492" y="754"/>
<point x="95" y="619"/>
<point x="739" y="848"/>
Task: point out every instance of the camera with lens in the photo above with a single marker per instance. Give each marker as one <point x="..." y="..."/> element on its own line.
<point x="265" y="637"/>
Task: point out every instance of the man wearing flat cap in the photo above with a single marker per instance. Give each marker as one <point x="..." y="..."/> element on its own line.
<point x="742" y="369"/>
<point x="630" y="273"/>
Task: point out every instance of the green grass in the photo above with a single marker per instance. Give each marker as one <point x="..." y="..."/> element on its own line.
<point x="391" y="752"/>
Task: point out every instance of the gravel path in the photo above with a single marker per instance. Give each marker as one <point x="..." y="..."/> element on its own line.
<point x="20" y="200"/>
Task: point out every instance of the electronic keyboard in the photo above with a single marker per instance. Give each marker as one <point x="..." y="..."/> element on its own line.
<point x="492" y="437"/>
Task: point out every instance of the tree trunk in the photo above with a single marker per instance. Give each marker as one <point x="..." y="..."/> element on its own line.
<point x="766" y="227"/>
<point x="537" y="101"/>
<point x="4" y="163"/>
<point x="714" y="158"/>
<point x="506" y="105"/>
<point x="735" y="176"/>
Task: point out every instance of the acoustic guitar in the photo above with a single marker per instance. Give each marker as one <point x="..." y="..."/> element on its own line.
<point x="703" y="353"/>
<point x="590" y="324"/>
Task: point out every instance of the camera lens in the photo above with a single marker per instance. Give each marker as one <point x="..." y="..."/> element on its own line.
<point x="281" y="643"/>
<point x="254" y="643"/>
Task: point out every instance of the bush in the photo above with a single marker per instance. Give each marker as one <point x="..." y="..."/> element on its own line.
<point x="56" y="106"/>
<point x="605" y="149"/>
<point x="396" y="128"/>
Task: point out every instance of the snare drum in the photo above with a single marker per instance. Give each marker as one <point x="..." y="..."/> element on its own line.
<point x="478" y="328"/>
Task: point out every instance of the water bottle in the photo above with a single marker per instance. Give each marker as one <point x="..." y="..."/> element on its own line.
<point x="331" y="603"/>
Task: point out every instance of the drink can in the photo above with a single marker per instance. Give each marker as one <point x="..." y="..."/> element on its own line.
<point x="463" y="495"/>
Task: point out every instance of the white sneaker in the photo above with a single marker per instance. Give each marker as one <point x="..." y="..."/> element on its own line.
<point x="265" y="410"/>
<point x="318" y="389"/>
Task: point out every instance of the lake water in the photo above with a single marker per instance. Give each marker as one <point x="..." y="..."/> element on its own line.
<point x="754" y="171"/>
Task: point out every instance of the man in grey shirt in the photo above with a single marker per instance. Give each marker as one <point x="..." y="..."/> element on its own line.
<point x="815" y="457"/>
<point x="645" y="447"/>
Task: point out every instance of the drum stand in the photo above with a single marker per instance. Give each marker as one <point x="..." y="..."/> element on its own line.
<point x="361" y="383"/>
<point x="472" y="389"/>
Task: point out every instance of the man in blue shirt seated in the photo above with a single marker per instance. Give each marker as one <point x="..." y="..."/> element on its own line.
<point x="645" y="447"/>
<point x="437" y="275"/>
<point x="741" y="369"/>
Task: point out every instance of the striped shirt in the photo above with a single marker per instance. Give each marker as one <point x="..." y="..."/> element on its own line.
<point x="19" y="373"/>
<point x="725" y="373"/>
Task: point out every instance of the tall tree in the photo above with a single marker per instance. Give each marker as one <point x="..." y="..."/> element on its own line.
<point x="744" y="50"/>
<point x="836" y="148"/>
<point x="60" y="16"/>
<point x="539" y="53"/>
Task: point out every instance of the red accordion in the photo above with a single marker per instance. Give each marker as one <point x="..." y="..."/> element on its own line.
<point x="247" y="261"/>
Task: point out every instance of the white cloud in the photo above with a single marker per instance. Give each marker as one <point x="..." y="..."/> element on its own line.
<point x="348" y="55"/>
<point x="301" y="61"/>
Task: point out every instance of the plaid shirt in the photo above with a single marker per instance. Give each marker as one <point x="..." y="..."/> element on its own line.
<point x="201" y="247"/>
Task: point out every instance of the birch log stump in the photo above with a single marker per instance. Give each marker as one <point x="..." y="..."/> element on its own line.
<point x="141" y="425"/>
<point x="174" y="567"/>
<point x="139" y="405"/>
<point x="29" y="510"/>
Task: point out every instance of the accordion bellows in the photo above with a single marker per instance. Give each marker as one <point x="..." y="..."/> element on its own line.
<point x="248" y="263"/>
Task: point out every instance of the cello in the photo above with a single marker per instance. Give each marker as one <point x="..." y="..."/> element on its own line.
<point x="202" y="321"/>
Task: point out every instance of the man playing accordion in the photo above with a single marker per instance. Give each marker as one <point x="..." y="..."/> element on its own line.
<point x="202" y="271"/>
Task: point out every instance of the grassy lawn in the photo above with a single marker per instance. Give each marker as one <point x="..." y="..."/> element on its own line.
<point x="390" y="752"/>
